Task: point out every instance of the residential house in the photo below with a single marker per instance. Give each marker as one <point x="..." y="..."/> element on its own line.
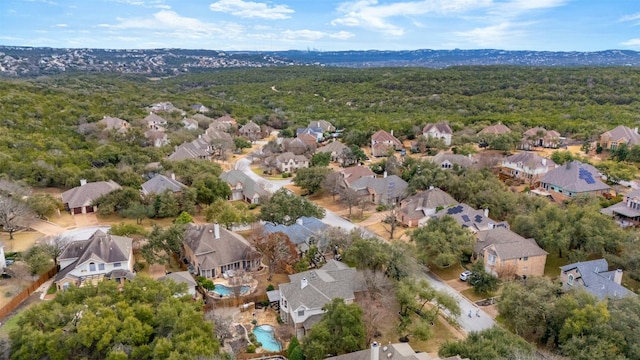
<point x="354" y="173"/>
<point x="79" y="200"/>
<point x="497" y="129"/>
<point x="594" y="277"/>
<point x="212" y="250"/>
<point x="243" y="187"/>
<point x="626" y="212"/>
<point x="160" y="183"/>
<point x="219" y="140"/>
<point x="382" y="142"/>
<point x="381" y="191"/>
<point x="322" y="124"/>
<point x="196" y="149"/>
<point x="335" y="148"/>
<point x="468" y="217"/>
<point x="417" y="209"/>
<point x="199" y="108"/>
<point x="190" y="124"/>
<point x="289" y="163"/>
<point x="396" y="351"/>
<point x="228" y="121"/>
<point x="505" y="253"/>
<point x="88" y="261"/>
<point x="448" y="161"/>
<point x="115" y="124"/>
<point x="440" y="130"/>
<point x="157" y="138"/>
<point x="610" y="140"/>
<point x="574" y="178"/>
<point x="309" y="140"/>
<point x="155" y="122"/>
<point x="251" y="130"/>
<point x="527" y="166"/>
<point x="315" y="132"/>
<point x="182" y="277"/>
<point x="302" y="299"/>
<point x="297" y="146"/>
<point x="164" y="107"/>
<point x="303" y="234"/>
<point x="540" y="137"/>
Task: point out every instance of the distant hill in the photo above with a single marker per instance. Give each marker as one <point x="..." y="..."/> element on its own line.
<point x="17" y="61"/>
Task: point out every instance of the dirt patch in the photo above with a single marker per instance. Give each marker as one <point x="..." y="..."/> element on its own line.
<point x="458" y="285"/>
<point x="22" y="240"/>
<point x="85" y="220"/>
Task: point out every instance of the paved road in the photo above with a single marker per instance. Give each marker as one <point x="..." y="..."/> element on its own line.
<point x="477" y="322"/>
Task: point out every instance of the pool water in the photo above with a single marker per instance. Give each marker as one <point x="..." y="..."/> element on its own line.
<point x="264" y="334"/>
<point x="226" y="291"/>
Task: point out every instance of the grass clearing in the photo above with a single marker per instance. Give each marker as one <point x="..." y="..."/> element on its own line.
<point x="474" y="296"/>
<point x="22" y="240"/>
<point x="449" y="273"/>
<point x="12" y="322"/>
<point x="552" y="267"/>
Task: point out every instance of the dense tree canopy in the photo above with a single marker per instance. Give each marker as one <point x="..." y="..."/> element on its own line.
<point x="442" y="242"/>
<point x="285" y="207"/>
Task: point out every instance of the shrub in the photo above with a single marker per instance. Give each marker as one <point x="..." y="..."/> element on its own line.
<point x="138" y="266"/>
<point x="380" y="208"/>
<point x="285" y="175"/>
<point x="251" y="348"/>
<point x="264" y="303"/>
<point x="271" y="287"/>
<point x="253" y="206"/>
<point x="254" y="322"/>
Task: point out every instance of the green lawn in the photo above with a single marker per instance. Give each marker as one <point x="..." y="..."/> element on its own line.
<point x="552" y="267"/>
<point x="11" y="323"/>
<point x="449" y="273"/>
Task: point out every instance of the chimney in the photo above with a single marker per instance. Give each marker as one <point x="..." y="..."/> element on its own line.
<point x="635" y="130"/>
<point x="544" y="162"/>
<point x="216" y="231"/>
<point x="83" y="182"/>
<point x="385" y="174"/>
<point x="617" y="277"/>
<point x="392" y="132"/>
<point x="375" y="351"/>
<point x="173" y="176"/>
<point x="299" y="221"/>
<point x="486" y="213"/>
<point x="303" y="283"/>
<point x="430" y="187"/>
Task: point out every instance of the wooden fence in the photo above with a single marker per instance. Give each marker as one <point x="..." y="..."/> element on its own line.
<point x="237" y="301"/>
<point x="24" y="294"/>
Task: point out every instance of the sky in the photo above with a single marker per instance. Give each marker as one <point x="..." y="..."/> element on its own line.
<point x="324" y="25"/>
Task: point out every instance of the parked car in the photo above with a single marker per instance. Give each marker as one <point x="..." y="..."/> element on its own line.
<point x="8" y="262"/>
<point x="465" y="275"/>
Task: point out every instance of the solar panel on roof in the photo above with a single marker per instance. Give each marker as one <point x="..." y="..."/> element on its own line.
<point x="454" y="210"/>
<point x="465" y="218"/>
<point x="478" y="218"/>
<point x="586" y="175"/>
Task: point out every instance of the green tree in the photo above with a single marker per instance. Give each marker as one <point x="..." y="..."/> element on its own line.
<point x="184" y="218"/>
<point x="617" y="171"/>
<point x="340" y="331"/>
<point x="310" y="179"/>
<point x="163" y="243"/>
<point x="491" y="344"/>
<point x="44" y="205"/>
<point x="285" y="207"/>
<point x="482" y="281"/>
<point x="143" y="321"/>
<point x="124" y="229"/>
<point x="165" y="205"/>
<point x="229" y="213"/>
<point x="241" y="143"/>
<point x="321" y="159"/>
<point x="117" y="201"/>
<point x="13" y="212"/>
<point x="210" y="188"/>
<point x="139" y="212"/>
<point x="39" y="259"/>
<point x="442" y="242"/>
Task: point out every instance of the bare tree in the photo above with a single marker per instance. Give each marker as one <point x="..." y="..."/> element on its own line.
<point x="375" y="312"/>
<point x="390" y="222"/>
<point x="332" y="184"/>
<point x="55" y="245"/>
<point x="222" y="326"/>
<point x="277" y="249"/>
<point x="13" y="213"/>
<point x="351" y="198"/>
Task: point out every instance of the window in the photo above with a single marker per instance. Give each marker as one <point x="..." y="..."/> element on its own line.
<point x="301" y="312"/>
<point x="570" y="279"/>
<point x="491" y="259"/>
<point x="117" y="265"/>
<point x="525" y="258"/>
<point x="92" y="267"/>
<point x="100" y="266"/>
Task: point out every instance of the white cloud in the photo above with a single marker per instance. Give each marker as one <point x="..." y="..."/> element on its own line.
<point x="145" y="3"/>
<point x="494" y="36"/>
<point x="632" y="17"/>
<point x="305" y="35"/>
<point x="632" y="43"/>
<point x="61" y="25"/>
<point x="170" y="24"/>
<point x="342" y="35"/>
<point x="250" y="9"/>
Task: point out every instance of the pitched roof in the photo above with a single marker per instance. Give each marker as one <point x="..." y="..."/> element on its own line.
<point x="381" y="186"/>
<point x="630" y="136"/>
<point x="84" y="195"/>
<point x="575" y="177"/>
<point x="154" y="119"/>
<point x="300" y="232"/>
<point x="597" y="279"/>
<point x="211" y="252"/>
<point x="429" y="199"/>
<point x="530" y="160"/>
<point x="507" y="244"/>
<point x="190" y="122"/>
<point x="397" y="351"/>
<point x="496" y="129"/>
<point x="353" y="173"/>
<point x="460" y="160"/>
<point x="323" y="124"/>
<point x="471" y="218"/>
<point x="249" y="186"/>
<point x="333" y="280"/>
<point x="286" y="156"/>
<point x="440" y="127"/>
<point x="160" y="183"/>
<point x="180" y="277"/>
<point x="383" y="136"/>
<point x="250" y="127"/>
<point x="332" y="147"/>
<point x="195" y="149"/>
<point x="113" y="123"/>
<point x="547" y="134"/>
<point x="308" y="139"/>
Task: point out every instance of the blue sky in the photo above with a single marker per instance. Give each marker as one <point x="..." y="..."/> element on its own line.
<point x="555" y="25"/>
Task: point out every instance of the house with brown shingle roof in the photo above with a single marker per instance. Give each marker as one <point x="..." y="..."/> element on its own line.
<point x="335" y="149"/>
<point x="289" y="162"/>
<point x="497" y="129"/>
<point x="113" y="123"/>
<point x="79" y="200"/>
<point x="440" y="130"/>
<point x="155" y="122"/>
<point x="251" y="130"/>
<point x="85" y="262"/>
<point x="382" y="141"/>
<point x="212" y="251"/>
<point x="308" y="139"/>
<point x="540" y="137"/>
<point x="322" y="124"/>
<point x="447" y="161"/>
<point x="505" y="253"/>
<point x="619" y="135"/>
<point x="417" y="209"/>
<point x="354" y="173"/>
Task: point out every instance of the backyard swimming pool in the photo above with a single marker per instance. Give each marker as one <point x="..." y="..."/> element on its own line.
<point x="264" y="334"/>
<point x="223" y="290"/>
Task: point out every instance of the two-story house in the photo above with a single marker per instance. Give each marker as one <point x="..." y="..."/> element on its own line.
<point x="302" y="299"/>
<point x="85" y="262"/>
<point x="440" y="130"/>
<point x="354" y="173"/>
<point x="314" y="131"/>
<point x="155" y="122"/>
<point x="289" y="163"/>
<point x="612" y="139"/>
<point x="212" y="250"/>
<point x="243" y="187"/>
<point x="574" y="178"/>
<point x="381" y="191"/>
<point x="540" y="137"/>
<point x="594" y="277"/>
<point x="382" y="142"/>
<point x="335" y="149"/>
<point x="626" y="212"/>
<point x="197" y="149"/>
<point x="251" y="131"/>
<point x="448" y="161"/>
<point x="303" y="234"/>
<point x="527" y="166"/>
<point x="468" y="217"/>
<point x="417" y="209"/>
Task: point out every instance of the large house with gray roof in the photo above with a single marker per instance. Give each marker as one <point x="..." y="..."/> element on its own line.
<point x="417" y="209"/>
<point x="594" y="277"/>
<point x="527" y="166"/>
<point x="79" y="200"/>
<point x="303" y="234"/>
<point x="243" y="187"/>
<point x="302" y="299"/>
<point x="612" y="139"/>
<point x="396" y="351"/>
<point x="211" y="251"/>
<point x="540" y="137"/>
<point x="381" y="191"/>
<point x="160" y="183"/>
<point x="626" y="212"/>
<point x="448" y="161"/>
<point x="85" y="262"/>
<point x="468" y="217"/>
<point x="505" y="253"/>
<point x="182" y="277"/>
<point x="574" y="178"/>
<point x="197" y="149"/>
<point x="335" y="149"/>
